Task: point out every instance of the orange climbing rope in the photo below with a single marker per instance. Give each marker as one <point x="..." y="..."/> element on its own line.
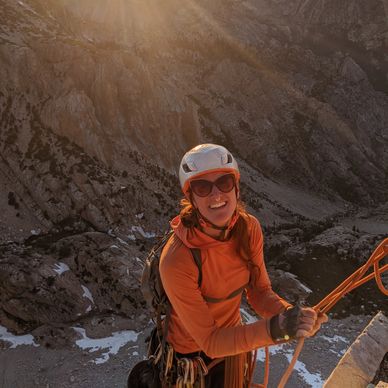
<point x="353" y="281"/>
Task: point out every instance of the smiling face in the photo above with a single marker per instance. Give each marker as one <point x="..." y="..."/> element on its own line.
<point x="217" y="207"/>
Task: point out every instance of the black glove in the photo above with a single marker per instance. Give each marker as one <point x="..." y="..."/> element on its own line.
<point x="289" y="325"/>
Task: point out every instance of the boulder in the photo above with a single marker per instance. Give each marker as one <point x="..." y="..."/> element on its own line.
<point x="352" y="71"/>
<point x="360" y="363"/>
<point x="289" y="286"/>
<point x="55" y="280"/>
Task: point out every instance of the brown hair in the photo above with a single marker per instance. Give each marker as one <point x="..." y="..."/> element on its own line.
<point x="189" y="217"/>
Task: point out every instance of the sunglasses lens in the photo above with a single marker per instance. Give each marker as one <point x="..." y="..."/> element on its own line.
<point x="201" y="187"/>
<point x="225" y="183"/>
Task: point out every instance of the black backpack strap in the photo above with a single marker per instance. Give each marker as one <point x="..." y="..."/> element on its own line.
<point x="198" y="261"/>
<point x="164" y="341"/>
<point x="233" y="294"/>
<point x="164" y="239"/>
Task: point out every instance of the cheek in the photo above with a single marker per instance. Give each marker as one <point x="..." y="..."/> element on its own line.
<point x="233" y="200"/>
<point x="198" y="202"/>
<point x="201" y="205"/>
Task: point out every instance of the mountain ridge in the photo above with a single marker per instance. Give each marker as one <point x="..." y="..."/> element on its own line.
<point x="96" y="113"/>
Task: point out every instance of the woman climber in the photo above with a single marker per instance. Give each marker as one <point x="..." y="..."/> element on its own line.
<point x="205" y="324"/>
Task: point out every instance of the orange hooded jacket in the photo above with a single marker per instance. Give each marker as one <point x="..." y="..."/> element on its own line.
<point x="215" y="328"/>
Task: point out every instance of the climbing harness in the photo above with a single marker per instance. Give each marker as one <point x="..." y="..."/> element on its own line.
<point x="353" y="281"/>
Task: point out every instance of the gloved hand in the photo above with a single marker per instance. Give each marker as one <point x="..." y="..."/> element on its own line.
<point x="296" y="322"/>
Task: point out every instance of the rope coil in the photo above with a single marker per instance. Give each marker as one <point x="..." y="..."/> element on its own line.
<point x="353" y="281"/>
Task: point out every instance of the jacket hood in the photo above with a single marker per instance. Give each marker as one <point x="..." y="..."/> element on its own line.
<point x="193" y="237"/>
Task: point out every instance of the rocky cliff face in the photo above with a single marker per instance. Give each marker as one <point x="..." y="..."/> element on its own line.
<point x="98" y="104"/>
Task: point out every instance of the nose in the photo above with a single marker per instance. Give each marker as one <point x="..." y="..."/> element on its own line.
<point x="216" y="192"/>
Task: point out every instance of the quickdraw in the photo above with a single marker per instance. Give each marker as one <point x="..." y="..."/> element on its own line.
<point x="191" y="373"/>
<point x="169" y="360"/>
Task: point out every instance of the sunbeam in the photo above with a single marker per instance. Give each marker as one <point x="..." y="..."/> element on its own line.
<point x="247" y="55"/>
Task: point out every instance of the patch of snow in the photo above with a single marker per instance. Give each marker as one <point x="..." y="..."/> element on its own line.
<point x="140" y="230"/>
<point x="89" y="308"/>
<point x="135" y="354"/>
<point x="272" y="350"/>
<point x="335" y="338"/>
<point x="113" y="343"/>
<point x="122" y="241"/>
<point x="87" y="294"/>
<point x="315" y="380"/>
<point x="139" y="216"/>
<point x="131" y="237"/>
<point x="60" y="268"/>
<point x="247" y="317"/>
<point x="304" y="288"/>
<point x="338" y="353"/>
<point x="16" y="340"/>
<point x="139" y="262"/>
<point x="114" y="246"/>
<point x="35" y="232"/>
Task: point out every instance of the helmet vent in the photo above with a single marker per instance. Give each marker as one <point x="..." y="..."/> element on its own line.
<point x="229" y="158"/>
<point x="186" y="168"/>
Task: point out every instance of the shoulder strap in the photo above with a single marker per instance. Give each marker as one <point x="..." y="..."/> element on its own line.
<point x="198" y="261"/>
<point x="233" y="294"/>
<point x="165" y="238"/>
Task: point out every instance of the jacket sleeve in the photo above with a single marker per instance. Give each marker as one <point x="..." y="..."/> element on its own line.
<point x="261" y="297"/>
<point x="180" y="280"/>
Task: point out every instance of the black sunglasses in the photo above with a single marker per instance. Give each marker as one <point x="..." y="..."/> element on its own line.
<point x="203" y="188"/>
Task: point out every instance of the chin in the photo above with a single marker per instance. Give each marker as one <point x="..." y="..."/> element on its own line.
<point x="219" y="220"/>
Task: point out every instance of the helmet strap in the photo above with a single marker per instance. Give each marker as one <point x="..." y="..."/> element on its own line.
<point x="224" y="230"/>
<point x="204" y="222"/>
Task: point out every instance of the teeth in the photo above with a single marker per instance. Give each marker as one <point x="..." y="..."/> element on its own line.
<point x="217" y="205"/>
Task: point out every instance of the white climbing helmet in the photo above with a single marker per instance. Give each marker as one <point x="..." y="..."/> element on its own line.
<point x="205" y="158"/>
